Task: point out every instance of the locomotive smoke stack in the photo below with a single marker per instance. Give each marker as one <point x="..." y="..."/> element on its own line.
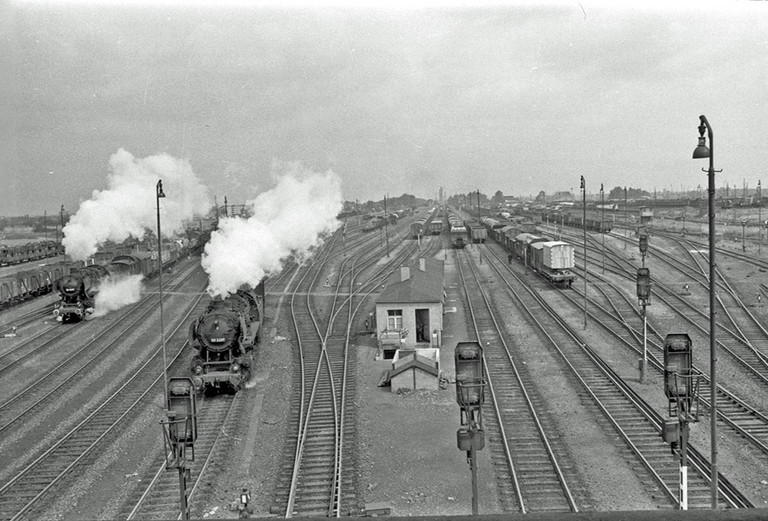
<point x="127" y="207"/>
<point x="289" y="219"/>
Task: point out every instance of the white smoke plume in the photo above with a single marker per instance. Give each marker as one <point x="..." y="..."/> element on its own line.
<point x="114" y="294"/>
<point x="128" y="206"/>
<point x="287" y="219"/>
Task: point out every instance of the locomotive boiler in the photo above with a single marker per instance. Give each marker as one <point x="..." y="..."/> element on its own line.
<point x="225" y="338"/>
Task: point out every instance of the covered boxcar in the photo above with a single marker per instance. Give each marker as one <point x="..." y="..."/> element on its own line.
<point x="554" y="260"/>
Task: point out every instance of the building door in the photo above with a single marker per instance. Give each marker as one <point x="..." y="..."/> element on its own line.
<point x="422" y="325"/>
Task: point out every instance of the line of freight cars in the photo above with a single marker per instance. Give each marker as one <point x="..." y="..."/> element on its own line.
<point x="34" y="282"/>
<point x="458" y="231"/>
<point x="379" y="221"/>
<point x="571" y="219"/>
<point x="430" y="224"/>
<point x="29" y="252"/>
<point x="553" y="260"/>
<point x="465" y="232"/>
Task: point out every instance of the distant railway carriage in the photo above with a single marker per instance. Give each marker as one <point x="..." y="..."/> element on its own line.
<point x="477" y="232"/>
<point x="375" y="224"/>
<point x="458" y="236"/>
<point x="504" y="236"/>
<point x="522" y="245"/>
<point x="554" y="260"/>
<point x="436" y="226"/>
<point x="417" y="228"/>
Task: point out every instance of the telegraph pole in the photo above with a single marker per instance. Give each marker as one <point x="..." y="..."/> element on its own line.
<point x="386" y="224"/>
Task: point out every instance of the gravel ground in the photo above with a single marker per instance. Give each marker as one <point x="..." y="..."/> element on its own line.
<point x="409" y="458"/>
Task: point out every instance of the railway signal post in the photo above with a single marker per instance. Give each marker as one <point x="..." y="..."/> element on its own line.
<point x="180" y="432"/>
<point x="743" y="232"/>
<point x="681" y="387"/>
<point x="470" y="391"/>
<point x="644" y="299"/>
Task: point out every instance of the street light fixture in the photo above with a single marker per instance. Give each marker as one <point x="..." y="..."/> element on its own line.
<point x="584" y="227"/>
<point x="702" y="152"/>
<point x="159" y="194"/>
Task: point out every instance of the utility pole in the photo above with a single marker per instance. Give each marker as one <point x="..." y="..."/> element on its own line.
<point x="602" y="221"/>
<point x="386" y="224"/>
<point x="584" y="227"/>
<point x="625" y="213"/>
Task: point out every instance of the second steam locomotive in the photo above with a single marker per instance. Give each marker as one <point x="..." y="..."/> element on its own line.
<point x="79" y="288"/>
<point x="225" y="337"/>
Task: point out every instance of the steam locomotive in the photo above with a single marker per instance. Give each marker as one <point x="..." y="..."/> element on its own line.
<point x="78" y="290"/>
<point x="225" y="337"/>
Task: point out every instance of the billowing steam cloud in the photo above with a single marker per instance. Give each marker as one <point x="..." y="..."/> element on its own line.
<point x="114" y="294"/>
<point x="128" y="206"/>
<point x="287" y="219"/>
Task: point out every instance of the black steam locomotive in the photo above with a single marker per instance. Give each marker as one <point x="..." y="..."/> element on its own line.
<point x="78" y="290"/>
<point x="225" y="337"/>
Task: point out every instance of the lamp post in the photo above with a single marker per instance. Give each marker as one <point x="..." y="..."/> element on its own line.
<point x="602" y="221"/>
<point x="159" y="194"/>
<point x="584" y="228"/>
<point x="701" y="152"/>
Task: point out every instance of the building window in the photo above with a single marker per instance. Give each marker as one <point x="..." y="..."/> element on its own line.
<point x="395" y="319"/>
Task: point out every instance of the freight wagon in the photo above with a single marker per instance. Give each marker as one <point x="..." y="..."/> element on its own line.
<point x="554" y="260"/>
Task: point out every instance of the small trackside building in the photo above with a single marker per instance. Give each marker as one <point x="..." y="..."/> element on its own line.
<point x="409" y="310"/>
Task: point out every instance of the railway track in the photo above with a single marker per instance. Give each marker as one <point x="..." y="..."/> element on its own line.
<point x="26" y="491"/>
<point x="533" y="471"/>
<point x="48" y="387"/>
<point x="633" y="420"/>
<point x="313" y="486"/>
<point x="159" y="499"/>
<point x="741" y="334"/>
<point x="321" y="478"/>
<point x="618" y="317"/>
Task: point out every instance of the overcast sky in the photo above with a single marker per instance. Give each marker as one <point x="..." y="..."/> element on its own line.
<point x="521" y="97"/>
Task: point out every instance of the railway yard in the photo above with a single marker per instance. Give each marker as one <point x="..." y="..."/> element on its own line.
<point x="569" y="425"/>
